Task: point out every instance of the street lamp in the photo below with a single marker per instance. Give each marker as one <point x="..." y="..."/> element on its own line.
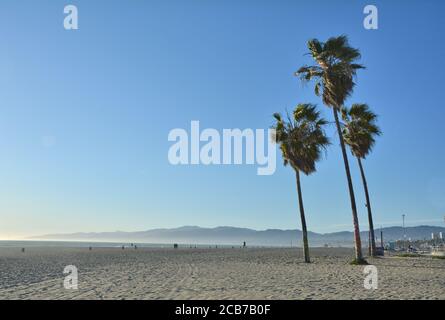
<point x="404" y="230"/>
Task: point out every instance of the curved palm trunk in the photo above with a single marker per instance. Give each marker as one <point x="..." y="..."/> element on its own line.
<point x="303" y="220"/>
<point x="358" y="242"/>
<point x="368" y="205"/>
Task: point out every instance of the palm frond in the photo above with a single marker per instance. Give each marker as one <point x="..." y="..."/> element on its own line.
<point x="302" y="138"/>
<point x="360" y="129"/>
<point x="334" y="71"/>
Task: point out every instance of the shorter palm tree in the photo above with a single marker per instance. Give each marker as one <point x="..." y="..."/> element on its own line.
<point x="302" y="140"/>
<point x="360" y="130"/>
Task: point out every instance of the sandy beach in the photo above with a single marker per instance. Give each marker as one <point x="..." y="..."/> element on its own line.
<point x="149" y="273"/>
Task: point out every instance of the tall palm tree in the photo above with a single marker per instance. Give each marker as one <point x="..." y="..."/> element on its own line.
<point x="301" y="140"/>
<point x="359" y="132"/>
<point x="334" y="74"/>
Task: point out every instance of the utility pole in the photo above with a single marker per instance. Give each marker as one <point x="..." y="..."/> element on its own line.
<point x="381" y="237"/>
<point x="404" y="231"/>
<point x="442" y="240"/>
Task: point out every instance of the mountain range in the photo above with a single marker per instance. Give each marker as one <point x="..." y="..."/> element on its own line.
<point x="236" y="236"/>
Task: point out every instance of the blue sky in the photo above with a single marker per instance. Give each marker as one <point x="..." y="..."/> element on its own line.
<point x="85" y="114"/>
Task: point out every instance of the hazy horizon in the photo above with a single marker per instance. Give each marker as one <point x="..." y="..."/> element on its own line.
<point x="38" y="237"/>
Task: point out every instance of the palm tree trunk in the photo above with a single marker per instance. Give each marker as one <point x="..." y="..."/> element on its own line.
<point x="303" y="220"/>
<point x="368" y="205"/>
<point x="358" y="242"/>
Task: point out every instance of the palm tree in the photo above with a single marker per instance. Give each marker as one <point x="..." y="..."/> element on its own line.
<point x="334" y="74"/>
<point x="301" y="140"/>
<point x="359" y="132"/>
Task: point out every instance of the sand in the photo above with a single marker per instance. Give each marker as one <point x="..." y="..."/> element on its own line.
<point x="252" y="273"/>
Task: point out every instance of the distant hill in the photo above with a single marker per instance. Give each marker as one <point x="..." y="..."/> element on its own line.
<point x="236" y="236"/>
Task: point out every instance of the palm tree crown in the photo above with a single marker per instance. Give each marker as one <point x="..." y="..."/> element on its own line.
<point x="335" y="70"/>
<point x="360" y="129"/>
<point x="302" y="138"/>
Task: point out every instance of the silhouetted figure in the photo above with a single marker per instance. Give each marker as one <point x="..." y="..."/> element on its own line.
<point x="123" y="247"/>
<point x="244" y="244"/>
<point x="135" y="247"/>
<point x="23" y="250"/>
<point x="175" y="246"/>
<point x="90" y="248"/>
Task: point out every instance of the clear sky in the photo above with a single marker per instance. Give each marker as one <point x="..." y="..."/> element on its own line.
<point x="85" y="114"/>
